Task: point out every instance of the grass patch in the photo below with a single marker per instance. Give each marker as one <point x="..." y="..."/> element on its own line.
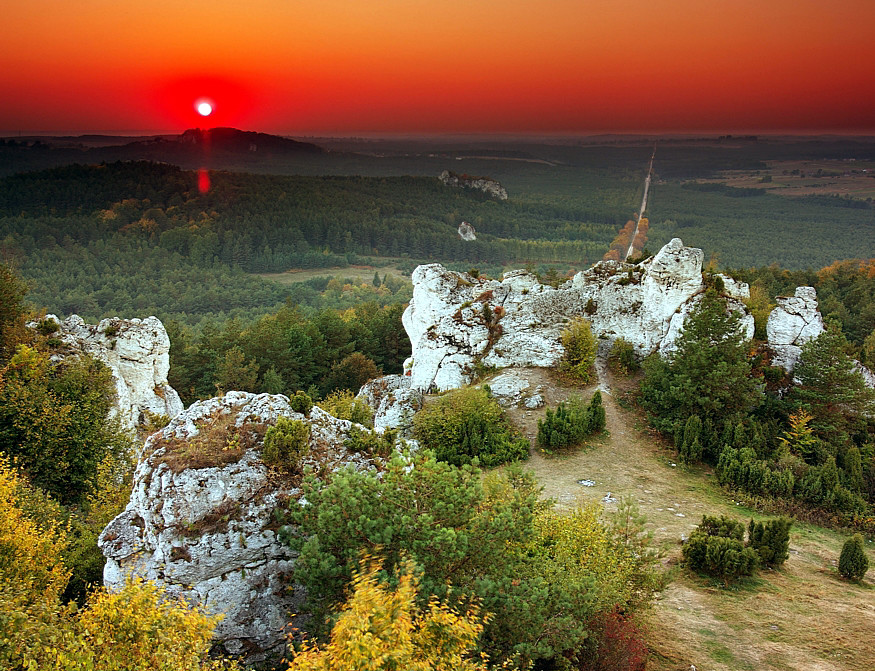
<point x="218" y="442"/>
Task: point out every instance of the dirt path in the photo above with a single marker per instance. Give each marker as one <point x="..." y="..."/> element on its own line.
<point x="801" y="617"/>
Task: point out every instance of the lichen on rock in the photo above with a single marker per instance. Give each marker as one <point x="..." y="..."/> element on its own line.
<point x="200" y="521"/>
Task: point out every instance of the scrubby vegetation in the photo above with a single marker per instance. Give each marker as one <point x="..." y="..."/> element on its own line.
<point x="138" y="628"/>
<point x="571" y="423"/>
<point x="467" y="424"/>
<point x="801" y="447"/>
<point x="286" y="443"/>
<point x="580" y="349"/>
<point x="544" y="578"/>
<point x="382" y="626"/>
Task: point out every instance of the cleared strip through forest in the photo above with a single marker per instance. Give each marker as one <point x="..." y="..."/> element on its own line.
<point x="643" y="206"/>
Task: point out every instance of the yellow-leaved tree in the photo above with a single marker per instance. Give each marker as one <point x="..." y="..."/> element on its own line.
<point x="32" y="577"/>
<point x="140" y="628"/>
<point x="381" y="628"/>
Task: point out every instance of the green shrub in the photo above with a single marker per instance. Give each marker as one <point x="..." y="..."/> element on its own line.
<point x="853" y="562"/>
<point x="771" y="540"/>
<point x="622" y="359"/>
<point x="465" y="424"/>
<point x="580" y="350"/>
<point x="571" y="423"/>
<point x="690" y="449"/>
<point x="47" y="327"/>
<point x="371" y="442"/>
<point x="343" y="405"/>
<point x="286" y="443"/>
<point x="716" y="548"/>
<point x="301" y="403"/>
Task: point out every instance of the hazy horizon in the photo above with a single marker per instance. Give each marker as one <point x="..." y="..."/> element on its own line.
<point x="397" y="67"/>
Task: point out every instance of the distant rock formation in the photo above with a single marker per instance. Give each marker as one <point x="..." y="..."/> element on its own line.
<point x="203" y="528"/>
<point x="794" y="322"/>
<point x="456" y="321"/>
<point x="137" y="351"/>
<point x="466" y="232"/>
<point x="485" y="184"/>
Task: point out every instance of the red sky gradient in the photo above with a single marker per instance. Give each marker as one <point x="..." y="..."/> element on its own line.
<point x="409" y="66"/>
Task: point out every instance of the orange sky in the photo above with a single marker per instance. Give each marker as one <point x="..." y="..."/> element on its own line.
<point x="347" y="66"/>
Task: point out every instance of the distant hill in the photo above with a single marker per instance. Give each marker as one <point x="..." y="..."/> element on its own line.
<point x="219" y="148"/>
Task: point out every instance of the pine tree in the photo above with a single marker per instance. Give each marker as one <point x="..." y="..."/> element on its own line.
<point x="708" y="375"/>
<point x="830" y="386"/>
<point x="853" y="562"/>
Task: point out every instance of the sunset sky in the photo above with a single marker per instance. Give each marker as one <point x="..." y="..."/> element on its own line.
<point x="409" y="66"/>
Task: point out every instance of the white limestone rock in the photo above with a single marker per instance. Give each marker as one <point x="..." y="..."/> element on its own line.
<point x="794" y="322"/>
<point x="488" y="186"/>
<point x="644" y="303"/>
<point x="206" y="532"/>
<point x="466" y="232"/>
<point x="137" y="352"/>
<point x="393" y="402"/>
<point x="509" y="388"/>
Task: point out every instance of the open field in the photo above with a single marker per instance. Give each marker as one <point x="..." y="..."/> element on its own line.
<point x="801" y="617"/>
<point x="357" y="273"/>
<point x="855" y="179"/>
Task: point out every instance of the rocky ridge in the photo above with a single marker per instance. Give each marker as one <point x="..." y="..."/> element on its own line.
<point x="203" y="528"/>
<point x="457" y="322"/>
<point x="137" y="352"/>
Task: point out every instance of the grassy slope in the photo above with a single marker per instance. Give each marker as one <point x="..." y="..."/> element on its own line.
<point x="801" y="617"/>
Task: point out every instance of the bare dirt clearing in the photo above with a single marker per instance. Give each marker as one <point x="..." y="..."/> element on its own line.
<point x="801" y="617"/>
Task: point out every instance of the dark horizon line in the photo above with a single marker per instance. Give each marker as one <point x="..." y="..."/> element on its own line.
<point x="377" y="135"/>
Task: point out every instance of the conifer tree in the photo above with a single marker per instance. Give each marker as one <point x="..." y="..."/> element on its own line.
<point x="853" y="562"/>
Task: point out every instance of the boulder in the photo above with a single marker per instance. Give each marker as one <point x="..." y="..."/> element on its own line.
<point x="393" y="402"/>
<point x="200" y="519"/>
<point x="137" y="352"/>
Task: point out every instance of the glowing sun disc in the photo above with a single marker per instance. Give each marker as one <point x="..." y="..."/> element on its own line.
<point x="204" y="108"/>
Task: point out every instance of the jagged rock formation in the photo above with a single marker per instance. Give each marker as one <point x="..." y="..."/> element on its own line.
<point x="646" y="303"/>
<point x="794" y="322"/>
<point x="200" y="519"/>
<point x="137" y="351"/>
<point x="466" y="232"/>
<point x="485" y="184"/>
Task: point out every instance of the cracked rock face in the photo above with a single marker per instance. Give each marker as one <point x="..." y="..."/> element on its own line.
<point x="206" y="531"/>
<point x="645" y="304"/>
<point x="393" y="401"/>
<point x="137" y="352"/>
<point x="794" y="322"/>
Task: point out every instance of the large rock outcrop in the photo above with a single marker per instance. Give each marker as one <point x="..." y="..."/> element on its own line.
<point x="393" y="401"/>
<point x="200" y="520"/>
<point x="137" y="351"/>
<point x="487" y="185"/>
<point x="794" y="321"/>
<point x="456" y="322"/>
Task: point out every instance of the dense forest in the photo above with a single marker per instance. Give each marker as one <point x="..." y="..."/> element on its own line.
<point x="140" y="237"/>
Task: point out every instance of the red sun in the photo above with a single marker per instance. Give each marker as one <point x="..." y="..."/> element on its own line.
<point x="204" y="107"/>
